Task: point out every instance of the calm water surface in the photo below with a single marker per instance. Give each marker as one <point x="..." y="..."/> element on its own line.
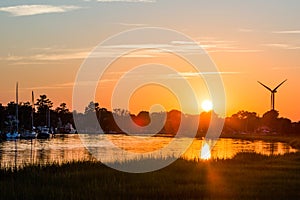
<point x="65" y="148"/>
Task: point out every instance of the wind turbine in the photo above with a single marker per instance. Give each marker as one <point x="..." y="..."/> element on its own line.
<point x="272" y="92"/>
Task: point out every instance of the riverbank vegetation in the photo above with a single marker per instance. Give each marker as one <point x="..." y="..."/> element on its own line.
<point x="243" y="122"/>
<point x="246" y="176"/>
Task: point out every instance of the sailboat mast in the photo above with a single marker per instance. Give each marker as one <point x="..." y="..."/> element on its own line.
<point x="49" y="117"/>
<point x="32" y="110"/>
<point x="17" y="108"/>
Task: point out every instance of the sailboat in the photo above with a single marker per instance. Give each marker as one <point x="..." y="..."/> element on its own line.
<point x="13" y="134"/>
<point x="44" y="131"/>
<point x="30" y="134"/>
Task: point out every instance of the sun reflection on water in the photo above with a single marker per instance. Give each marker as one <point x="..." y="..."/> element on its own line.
<point x="68" y="148"/>
<point x="205" y="152"/>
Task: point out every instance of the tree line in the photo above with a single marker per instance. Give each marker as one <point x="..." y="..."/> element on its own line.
<point x="240" y="122"/>
<point x="43" y="113"/>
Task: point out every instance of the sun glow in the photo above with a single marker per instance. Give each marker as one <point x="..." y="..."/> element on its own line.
<point x="205" y="152"/>
<point x="207" y="105"/>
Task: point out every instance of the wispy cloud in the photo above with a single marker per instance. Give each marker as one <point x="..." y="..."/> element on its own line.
<point x="53" y="86"/>
<point x="276" y="45"/>
<point x="284" y="68"/>
<point x="212" y="45"/>
<point x="44" y="55"/>
<point x="204" y="46"/>
<point x="64" y="56"/>
<point x="282" y="46"/>
<point x="56" y="54"/>
<point x="245" y="30"/>
<point x="238" y="51"/>
<point x="197" y="74"/>
<point x="132" y="24"/>
<point x="287" y="32"/>
<point x="129" y="1"/>
<point x="62" y="85"/>
<point x="27" y="10"/>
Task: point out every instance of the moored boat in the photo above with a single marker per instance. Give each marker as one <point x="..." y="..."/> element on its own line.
<point x="44" y="132"/>
<point x="14" y="133"/>
<point x="30" y="134"/>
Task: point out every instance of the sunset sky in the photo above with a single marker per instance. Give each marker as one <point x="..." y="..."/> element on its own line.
<point x="44" y="43"/>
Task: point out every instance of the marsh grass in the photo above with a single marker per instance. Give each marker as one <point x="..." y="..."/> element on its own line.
<point x="247" y="175"/>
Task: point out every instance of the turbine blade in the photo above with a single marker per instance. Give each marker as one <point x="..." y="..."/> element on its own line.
<point x="265" y="86"/>
<point x="279" y="85"/>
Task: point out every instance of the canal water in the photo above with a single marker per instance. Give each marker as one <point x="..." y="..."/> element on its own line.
<point x="64" y="148"/>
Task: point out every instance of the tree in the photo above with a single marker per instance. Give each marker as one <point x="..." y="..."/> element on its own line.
<point x="64" y="114"/>
<point x="284" y="126"/>
<point x="44" y="105"/>
<point x="204" y="121"/>
<point x="2" y="116"/>
<point x="91" y="108"/>
<point x="270" y="119"/>
<point x="11" y="108"/>
<point x="10" y="116"/>
<point x="243" y="121"/>
<point x="142" y="119"/>
<point x="62" y="109"/>
<point x="121" y="112"/>
<point x="25" y="115"/>
<point x="173" y="121"/>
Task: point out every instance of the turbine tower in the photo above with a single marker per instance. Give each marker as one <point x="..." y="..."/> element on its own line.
<point x="272" y="93"/>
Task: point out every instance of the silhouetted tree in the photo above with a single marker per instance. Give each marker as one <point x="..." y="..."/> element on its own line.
<point x="2" y="117"/>
<point x="204" y="122"/>
<point x="64" y="114"/>
<point x="172" y="122"/>
<point x="142" y="119"/>
<point x="25" y="115"/>
<point x="270" y="119"/>
<point x="243" y="121"/>
<point x="10" y="117"/>
<point x="11" y="108"/>
<point x="62" y="109"/>
<point x="284" y="126"/>
<point x="43" y="106"/>
<point x="91" y="108"/>
<point x="295" y="128"/>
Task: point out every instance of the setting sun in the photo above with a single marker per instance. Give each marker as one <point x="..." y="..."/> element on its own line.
<point x="207" y="105"/>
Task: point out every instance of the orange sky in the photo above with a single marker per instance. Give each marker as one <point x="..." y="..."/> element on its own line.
<point x="248" y="41"/>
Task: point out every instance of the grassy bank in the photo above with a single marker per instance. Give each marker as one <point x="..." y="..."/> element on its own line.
<point x="248" y="176"/>
<point x="292" y="140"/>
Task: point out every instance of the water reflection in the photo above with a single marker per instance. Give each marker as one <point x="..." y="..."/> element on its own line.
<point x="228" y="148"/>
<point x="21" y="152"/>
<point x="69" y="147"/>
<point x="205" y="151"/>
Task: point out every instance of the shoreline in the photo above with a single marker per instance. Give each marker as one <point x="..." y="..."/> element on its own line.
<point x="292" y="140"/>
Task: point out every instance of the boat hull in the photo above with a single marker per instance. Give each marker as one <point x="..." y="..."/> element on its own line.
<point x="29" y="135"/>
<point x="14" y="135"/>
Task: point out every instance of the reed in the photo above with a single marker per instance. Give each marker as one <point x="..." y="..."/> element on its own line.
<point x="247" y="175"/>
